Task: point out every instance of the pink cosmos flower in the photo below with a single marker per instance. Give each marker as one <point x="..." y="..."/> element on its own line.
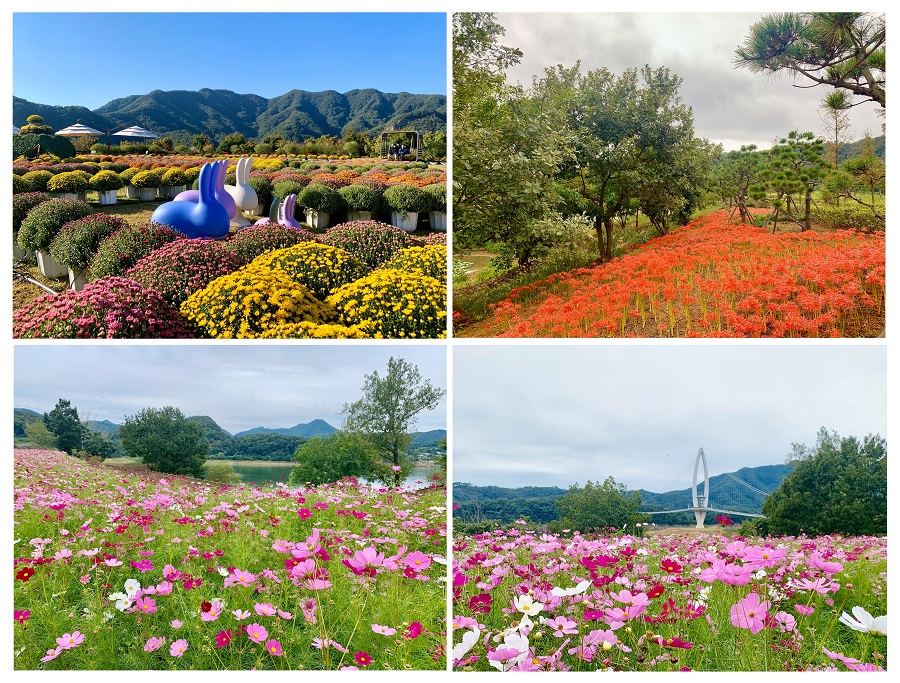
<point x="176" y="624"/>
<point x="52" y="654"/>
<point x="383" y="630"/>
<point x="285" y="615"/>
<point x="363" y="658"/>
<point x="145" y="605"/>
<point x="153" y="644"/>
<point x="273" y="647"/>
<point x="257" y="633"/>
<point x="84" y="579"/>
<point x="178" y="648"/>
<point x="264" y="609"/>
<point x="750" y="613"/>
<point x="70" y="640"/>
<point x="786" y="622"/>
<point x="734" y="575"/>
<point x="828" y="567"/>
<point x="240" y="614"/>
<point x="223" y="638"/>
<point x="417" y="560"/>
<point x="213" y="613"/>
<point x="804" y="610"/>
<point x="240" y="578"/>
<point x="561" y="626"/>
<point x="761" y="558"/>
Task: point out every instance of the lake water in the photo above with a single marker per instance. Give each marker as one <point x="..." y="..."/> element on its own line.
<point x="275" y="472"/>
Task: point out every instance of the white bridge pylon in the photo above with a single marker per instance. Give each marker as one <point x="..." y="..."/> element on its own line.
<point x="700" y="502"/>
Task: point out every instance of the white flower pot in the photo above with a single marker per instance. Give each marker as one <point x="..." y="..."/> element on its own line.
<point x="163" y="190"/>
<point x="147" y="194"/>
<point x="106" y="197"/>
<point x="67" y="195"/>
<point x="131" y="192"/>
<point x="77" y="280"/>
<point x="405" y="221"/>
<point x="50" y="267"/>
<point x="176" y="190"/>
<point x="317" y="219"/>
<point x="18" y="252"/>
<point x="438" y="220"/>
<point x="359" y="215"/>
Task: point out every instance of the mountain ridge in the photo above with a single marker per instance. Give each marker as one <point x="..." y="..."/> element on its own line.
<point x="295" y="115"/>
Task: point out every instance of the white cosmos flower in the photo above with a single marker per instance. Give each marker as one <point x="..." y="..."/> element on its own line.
<point x="567" y="592"/>
<point x="123" y="605"/>
<point x="526" y="605"/>
<point x="118" y="596"/>
<point x="468" y="642"/>
<point x="513" y="641"/>
<point x="865" y="622"/>
<point x="132" y="586"/>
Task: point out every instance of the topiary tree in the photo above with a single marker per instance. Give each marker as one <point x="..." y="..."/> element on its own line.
<point x="35" y="125"/>
<point x="166" y="441"/>
<point x="31" y="144"/>
<point x="837" y="486"/>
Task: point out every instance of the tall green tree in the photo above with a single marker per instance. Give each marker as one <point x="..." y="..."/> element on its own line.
<point x="630" y="141"/>
<point x="388" y="412"/>
<point x="844" y="50"/>
<point x="343" y="454"/>
<point x="65" y="426"/>
<point x="38" y="435"/>
<point x="838" y="486"/>
<point x="506" y="152"/>
<point x="734" y="173"/>
<point x="166" y="441"/>
<point x="597" y="507"/>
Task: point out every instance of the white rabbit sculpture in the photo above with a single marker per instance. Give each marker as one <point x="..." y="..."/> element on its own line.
<point x="242" y="192"/>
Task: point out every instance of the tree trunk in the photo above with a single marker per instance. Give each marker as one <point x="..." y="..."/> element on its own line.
<point x="598" y="226"/>
<point x="608" y="224"/>
<point x="807" y="219"/>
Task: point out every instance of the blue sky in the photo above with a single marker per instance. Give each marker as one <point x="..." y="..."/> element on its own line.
<point x="57" y="56"/>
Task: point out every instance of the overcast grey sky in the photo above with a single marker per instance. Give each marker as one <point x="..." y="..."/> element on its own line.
<point x="559" y="414"/>
<point x="239" y="386"/>
<point x="731" y="106"/>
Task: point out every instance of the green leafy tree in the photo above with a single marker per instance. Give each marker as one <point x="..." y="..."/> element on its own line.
<point x="235" y="143"/>
<point x="843" y="50"/>
<point x="221" y="472"/>
<point x="65" y="426"/>
<point x="388" y="411"/>
<point x="597" y="507"/>
<point x="326" y="459"/>
<point x="38" y="435"/>
<point x="833" y="112"/>
<point x="98" y="444"/>
<point x="166" y="441"/>
<point x="838" y="486"/>
<point x="734" y="173"/>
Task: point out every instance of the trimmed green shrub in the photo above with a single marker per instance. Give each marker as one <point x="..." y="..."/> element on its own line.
<point x="147" y="179"/>
<point x="129" y="173"/>
<point x="69" y="181"/>
<point x="121" y="250"/>
<point x="23" y="203"/>
<point x="104" y="181"/>
<point x="360" y="198"/>
<point x="191" y="174"/>
<point x="45" y="220"/>
<point x="174" y="177"/>
<point x="372" y="242"/>
<point x="20" y="184"/>
<point x="263" y="190"/>
<point x="405" y="198"/>
<point x="25" y="144"/>
<point x="78" y="241"/>
<point x="37" y="180"/>
<point x="320" y="198"/>
<point x="291" y="185"/>
<point x="437" y="197"/>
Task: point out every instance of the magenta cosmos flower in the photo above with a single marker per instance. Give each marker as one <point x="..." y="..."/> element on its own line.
<point x="363" y="658"/>
<point x="750" y="613"/>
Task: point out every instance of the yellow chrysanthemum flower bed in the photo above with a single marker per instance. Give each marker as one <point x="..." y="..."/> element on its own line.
<point x="319" y="267"/>
<point x="430" y="260"/>
<point x="400" y="305"/>
<point x="249" y="301"/>
<point x="313" y="331"/>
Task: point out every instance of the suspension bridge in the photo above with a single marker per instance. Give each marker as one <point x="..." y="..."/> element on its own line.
<point x="724" y="494"/>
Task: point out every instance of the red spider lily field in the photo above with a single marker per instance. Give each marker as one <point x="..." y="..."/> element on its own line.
<point x="709" y="279"/>
<point x="143" y="571"/>
<point x="530" y="601"/>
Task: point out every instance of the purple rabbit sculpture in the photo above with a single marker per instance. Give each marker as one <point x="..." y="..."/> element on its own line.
<point x="222" y="195"/>
<point x="204" y="218"/>
<point x="285" y="214"/>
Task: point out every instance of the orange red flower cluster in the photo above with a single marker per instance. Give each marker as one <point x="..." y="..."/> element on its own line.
<point x="713" y="279"/>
